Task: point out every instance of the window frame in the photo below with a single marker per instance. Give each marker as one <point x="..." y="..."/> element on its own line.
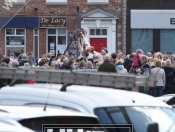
<point x="56" y="2"/>
<point x="34" y="41"/>
<point x="56" y="35"/>
<point x="15" y="36"/>
<point x="19" y="2"/>
<point x="97" y="2"/>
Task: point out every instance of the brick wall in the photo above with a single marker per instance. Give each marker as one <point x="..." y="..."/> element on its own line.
<point x="29" y="40"/>
<point x="2" y="41"/>
<point x="42" y="41"/>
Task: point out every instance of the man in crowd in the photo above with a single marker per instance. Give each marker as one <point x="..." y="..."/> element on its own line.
<point x="107" y="66"/>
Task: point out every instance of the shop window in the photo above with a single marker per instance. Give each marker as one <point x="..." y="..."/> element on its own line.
<point x="57" y="40"/>
<point x="98" y="32"/>
<point x="167" y="40"/>
<point x="97" y="2"/>
<point x="15" y="37"/>
<point x="142" y="39"/>
<point x="56" y="2"/>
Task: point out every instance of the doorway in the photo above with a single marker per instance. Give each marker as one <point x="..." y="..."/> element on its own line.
<point x="98" y="43"/>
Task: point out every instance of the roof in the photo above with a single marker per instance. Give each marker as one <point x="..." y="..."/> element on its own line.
<point x="99" y="9"/>
<point x="22" y="112"/>
<point x="80" y="97"/>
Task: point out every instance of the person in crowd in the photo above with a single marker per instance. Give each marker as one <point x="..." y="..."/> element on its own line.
<point x="57" y="64"/>
<point x="6" y="60"/>
<point x="113" y="58"/>
<point x="89" y="65"/>
<point x="53" y="65"/>
<point x="65" y="62"/>
<point x="165" y="57"/>
<point x="27" y="64"/>
<point x="160" y="79"/>
<point x="12" y="58"/>
<point x="159" y="56"/>
<point x="128" y="62"/>
<point x="169" y="54"/>
<point x="22" y="60"/>
<point x="107" y="66"/>
<point x="149" y="54"/>
<point x="15" y="64"/>
<point x="120" y="68"/>
<point x="145" y="67"/>
<point x="170" y="75"/>
<point x="173" y="62"/>
<point x="82" y="65"/>
<point x="136" y="62"/>
<point x="153" y="63"/>
<point x="120" y="57"/>
<point x="69" y="65"/>
<point x="31" y="59"/>
<point x="3" y="64"/>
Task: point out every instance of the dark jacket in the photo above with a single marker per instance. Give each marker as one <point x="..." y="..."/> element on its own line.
<point x="128" y="64"/>
<point x="170" y="75"/>
<point x="107" y="66"/>
<point x="68" y="67"/>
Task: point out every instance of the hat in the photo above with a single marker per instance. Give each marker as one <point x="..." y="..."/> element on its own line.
<point x="168" y="61"/>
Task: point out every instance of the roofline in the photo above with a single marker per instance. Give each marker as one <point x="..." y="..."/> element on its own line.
<point x="101" y="11"/>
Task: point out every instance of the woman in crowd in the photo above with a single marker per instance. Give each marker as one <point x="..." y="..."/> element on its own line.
<point x="160" y="79"/>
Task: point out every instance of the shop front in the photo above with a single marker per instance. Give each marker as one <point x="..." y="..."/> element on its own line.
<point x="56" y="34"/>
<point x="16" y="33"/>
<point x="153" y="30"/>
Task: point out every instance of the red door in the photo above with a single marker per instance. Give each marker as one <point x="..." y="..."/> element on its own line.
<point x="98" y="43"/>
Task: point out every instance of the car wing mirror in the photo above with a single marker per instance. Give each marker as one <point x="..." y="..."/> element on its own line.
<point x="153" y="127"/>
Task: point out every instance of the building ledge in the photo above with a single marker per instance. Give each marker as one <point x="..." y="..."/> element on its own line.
<point x="56" y="3"/>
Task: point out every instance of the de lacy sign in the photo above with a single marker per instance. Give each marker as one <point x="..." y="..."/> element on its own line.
<point x="52" y="22"/>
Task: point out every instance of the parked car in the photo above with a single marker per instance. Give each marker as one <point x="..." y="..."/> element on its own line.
<point x="168" y="99"/>
<point x="34" y="117"/>
<point x="111" y="106"/>
<point x="9" y="125"/>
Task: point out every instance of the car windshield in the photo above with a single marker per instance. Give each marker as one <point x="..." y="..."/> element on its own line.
<point x="140" y="117"/>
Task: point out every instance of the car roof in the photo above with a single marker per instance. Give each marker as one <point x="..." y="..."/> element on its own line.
<point x="9" y="125"/>
<point x="90" y="96"/>
<point x="23" y="112"/>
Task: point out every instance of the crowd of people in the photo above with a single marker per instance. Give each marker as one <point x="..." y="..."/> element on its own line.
<point x="158" y="64"/>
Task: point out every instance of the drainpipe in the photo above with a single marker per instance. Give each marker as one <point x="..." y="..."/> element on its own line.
<point x="122" y="26"/>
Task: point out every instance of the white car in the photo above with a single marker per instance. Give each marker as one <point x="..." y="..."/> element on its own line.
<point x="111" y="106"/>
<point x="167" y="98"/>
<point x="33" y="117"/>
<point x="9" y="125"/>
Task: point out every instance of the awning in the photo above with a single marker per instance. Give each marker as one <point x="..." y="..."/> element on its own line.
<point x="19" y="22"/>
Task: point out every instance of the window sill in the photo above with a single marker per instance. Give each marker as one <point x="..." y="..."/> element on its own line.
<point x="97" y="3"/>
<point x="18" y="3"/>
<point x="56" y="3"/>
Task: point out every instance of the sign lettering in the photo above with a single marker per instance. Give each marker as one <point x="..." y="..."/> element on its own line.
<point x="52" y="22"/>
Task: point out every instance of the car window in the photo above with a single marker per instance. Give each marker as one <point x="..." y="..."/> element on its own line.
<point x="140" y="117"/>
<point x="36" y="123"/>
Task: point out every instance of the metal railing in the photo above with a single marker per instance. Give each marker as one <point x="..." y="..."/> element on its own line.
<point x="78" y="77"/>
